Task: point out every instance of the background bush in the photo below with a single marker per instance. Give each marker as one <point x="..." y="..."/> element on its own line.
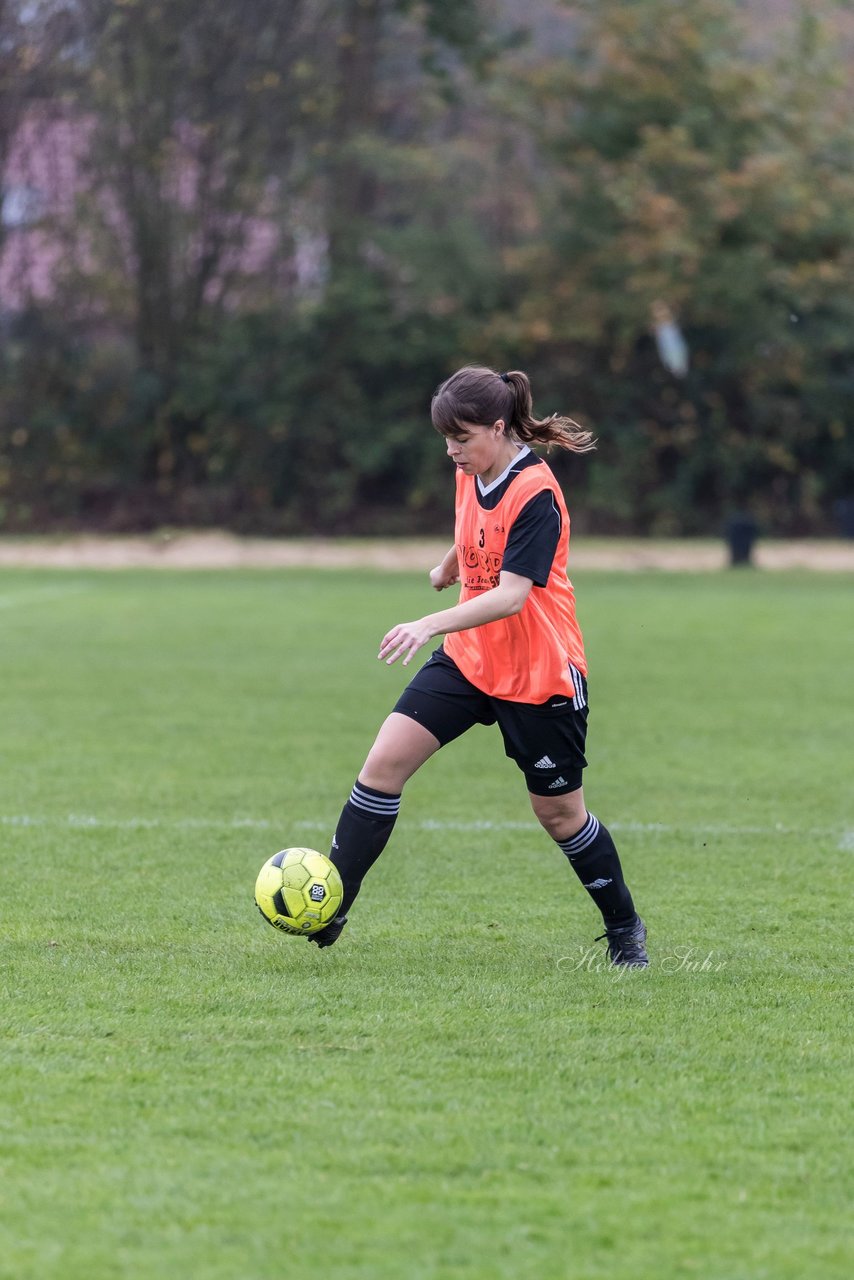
<point x="284" y="227"/>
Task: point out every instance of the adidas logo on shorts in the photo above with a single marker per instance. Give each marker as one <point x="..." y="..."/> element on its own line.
<point x="558" y="782"/>
<point x="545" y="763"/>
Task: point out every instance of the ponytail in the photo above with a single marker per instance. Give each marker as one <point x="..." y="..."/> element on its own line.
<point x="558" y="430"/>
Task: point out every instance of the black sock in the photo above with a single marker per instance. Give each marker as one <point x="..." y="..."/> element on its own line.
<point x="363" y="830"/>
<point x="593" y="857"/>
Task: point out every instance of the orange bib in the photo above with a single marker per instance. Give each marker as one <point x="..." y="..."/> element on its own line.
<point x="524" y="658"/>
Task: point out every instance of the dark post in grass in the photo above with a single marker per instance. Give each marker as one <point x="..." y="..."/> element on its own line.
<point x="741" y="534"/>
<point x="843" y="510"/>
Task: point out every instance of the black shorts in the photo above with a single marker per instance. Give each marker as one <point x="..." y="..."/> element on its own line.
<point x="545" y="739"/>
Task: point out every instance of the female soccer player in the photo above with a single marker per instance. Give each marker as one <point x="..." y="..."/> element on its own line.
<point x="512" y="654"/>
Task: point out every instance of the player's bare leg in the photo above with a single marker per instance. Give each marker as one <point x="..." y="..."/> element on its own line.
<point x="400" y="748"/>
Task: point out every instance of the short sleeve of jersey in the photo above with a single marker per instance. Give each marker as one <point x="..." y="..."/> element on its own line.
<point x="532" y="539"/>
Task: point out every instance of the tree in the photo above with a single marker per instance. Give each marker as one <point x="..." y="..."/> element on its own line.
<point x="357" y="117"/>
<point x="196" y="106"/>
<point x="33" y="39"/>
<point x="686" y="170"/>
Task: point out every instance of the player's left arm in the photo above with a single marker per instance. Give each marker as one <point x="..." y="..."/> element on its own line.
<point x="501" y="601"/>
<point x="446" y="572"/>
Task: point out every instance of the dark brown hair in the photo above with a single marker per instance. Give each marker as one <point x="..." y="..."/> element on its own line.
<point x="482" y="396"/>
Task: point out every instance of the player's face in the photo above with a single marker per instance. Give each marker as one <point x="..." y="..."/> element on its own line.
<point x="477" y="450"/>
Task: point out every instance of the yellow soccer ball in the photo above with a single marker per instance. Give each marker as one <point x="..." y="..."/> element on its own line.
<point x="298" y="891"/>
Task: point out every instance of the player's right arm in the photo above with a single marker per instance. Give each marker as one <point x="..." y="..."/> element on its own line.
<point x="501" y="601"/>
<point x="447" y="571"/>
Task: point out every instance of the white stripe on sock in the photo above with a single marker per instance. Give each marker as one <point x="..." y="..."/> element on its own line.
<point x="384" y="806"/>
<point x="582" y="838"/>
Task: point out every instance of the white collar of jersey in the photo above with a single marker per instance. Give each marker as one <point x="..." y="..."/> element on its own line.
<point x="484" y="489"/>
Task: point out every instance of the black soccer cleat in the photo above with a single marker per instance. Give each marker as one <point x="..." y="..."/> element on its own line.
<point x="326" y="936"/>
<point x="627" y="947"/>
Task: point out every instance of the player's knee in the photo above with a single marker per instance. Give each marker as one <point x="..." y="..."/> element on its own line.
<point x="554" y="825"/>
<point x="386" y="769"/>
<point x="560" y="816"/>
<point x="381" y="779"/>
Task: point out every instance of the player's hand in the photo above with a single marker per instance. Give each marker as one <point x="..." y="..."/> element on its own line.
<point x="404" y="641"/>
<point x="440" y="577"/>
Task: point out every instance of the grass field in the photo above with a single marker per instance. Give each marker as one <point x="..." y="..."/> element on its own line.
<point x="460" y="1089"/>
